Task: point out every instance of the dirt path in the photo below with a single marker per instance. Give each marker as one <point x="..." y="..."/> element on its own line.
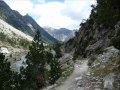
<point x="80" y="70"/>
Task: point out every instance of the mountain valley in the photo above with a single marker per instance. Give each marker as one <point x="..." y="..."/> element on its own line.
<point x="44" y="58"/>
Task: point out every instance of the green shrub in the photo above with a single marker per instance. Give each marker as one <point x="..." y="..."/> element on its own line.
<point x="112" y="66"/>
<point x="116" y="42"/>
<point x="91" y="60"/>
<point x="24" y="43"/>
<point x="100" y="51"/>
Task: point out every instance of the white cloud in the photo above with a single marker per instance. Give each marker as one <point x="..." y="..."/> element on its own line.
<point x="48" y="8"/>
<point x="78" y="9"/>
<point x="22" y="6"/>
<point x="57" y="21"/>
<point x="67" y="14"/>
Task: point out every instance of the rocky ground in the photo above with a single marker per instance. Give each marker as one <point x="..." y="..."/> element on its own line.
<point x="15" y="56"/>
<point x="103" y="74"/>
<point x="72" y="82"/>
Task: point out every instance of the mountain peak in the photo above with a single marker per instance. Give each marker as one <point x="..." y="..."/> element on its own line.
<point x="27" y="15"/>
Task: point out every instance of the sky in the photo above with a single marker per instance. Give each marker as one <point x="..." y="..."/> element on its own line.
<point x="54" y="13"/>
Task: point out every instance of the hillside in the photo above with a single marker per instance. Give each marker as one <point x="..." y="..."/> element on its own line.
<point x="10" y="36"/>
<point x="26" y="24"/>
<point x="98" y="32"/>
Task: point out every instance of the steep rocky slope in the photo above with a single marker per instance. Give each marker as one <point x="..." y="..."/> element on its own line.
<point x="12" y="37"/>
<point x="101" y="30"/>
<point x="26" y="24"/>
<point x="91" y="39"/>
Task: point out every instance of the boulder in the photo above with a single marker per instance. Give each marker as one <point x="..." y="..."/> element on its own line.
<point x="4" y="50"/>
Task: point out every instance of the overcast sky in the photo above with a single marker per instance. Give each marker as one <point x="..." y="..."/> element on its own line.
<point x="54" y="13"/>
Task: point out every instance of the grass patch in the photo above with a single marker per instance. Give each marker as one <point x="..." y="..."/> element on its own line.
<point x="91" y="60"/>
<point x="111" y="66"/>
<point x="15" y="41"/>
<point x="100" y="51"/>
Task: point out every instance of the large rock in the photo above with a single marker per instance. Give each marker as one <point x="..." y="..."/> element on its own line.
<point x="108" y="81"/>
<point x="110" y="53"/>
<point x="4" y="50"/>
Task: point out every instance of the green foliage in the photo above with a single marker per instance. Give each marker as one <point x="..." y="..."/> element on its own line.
<point x="116" y="62"/>
<point x="91" y="60"/>
<point x="112" y="66"/>
<point x="21" y="42"/>
<point x="116" y="42"/>
<point x="49" y="57"/>
<point x="70" y="41"/>
<point x="55" y="71"/>
<point x="106" y="12"/>
<point x="7" y="77"/>
<point x="24" y="43"/>
<point x="99" y="51"/>
<point x="35" y="75"/>
<point x="35" y="72"/>
<point x="57" y="50"/>
<point x="5" y="72"/>
<point x="80" y="48"/>
<point x="2" y="36"/>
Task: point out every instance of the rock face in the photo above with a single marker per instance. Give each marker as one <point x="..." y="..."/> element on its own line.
<point x="61" y="34"/>
<point x="25" y="23"/>
<point x="91" y="37"/>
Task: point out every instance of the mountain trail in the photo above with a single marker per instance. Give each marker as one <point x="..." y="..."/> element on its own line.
<point x="71" y="83"/>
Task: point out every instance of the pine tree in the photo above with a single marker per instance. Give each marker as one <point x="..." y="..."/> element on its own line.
<point x="106" y="12"/>
<point x="55" y="71"/>
<point x="38" y="58"/>
<point x="5" y="74"/>
<point x="49" y="57"/>
<point x="35" y="72"/>
<point x="57" y="50"/>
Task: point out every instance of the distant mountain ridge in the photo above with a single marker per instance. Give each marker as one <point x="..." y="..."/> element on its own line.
<point x="25" y="23"/>
<point x="61" y="34"/>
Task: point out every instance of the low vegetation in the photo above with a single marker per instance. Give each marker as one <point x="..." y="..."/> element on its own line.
<point x="91" y="60"/>
<point x="14" y="41"/>
<point x="100" y="51"/>
<point x="110" y="67"/>
<point x="8" y="79"/>
<point x="116" y="42"/>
